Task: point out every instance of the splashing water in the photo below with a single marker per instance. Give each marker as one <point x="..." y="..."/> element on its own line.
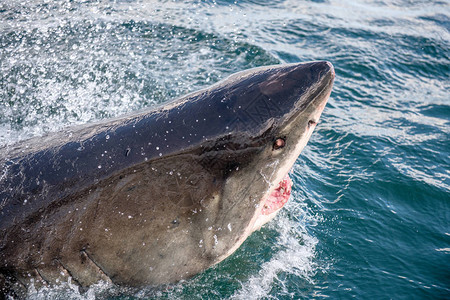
<point x="294" y="255"/>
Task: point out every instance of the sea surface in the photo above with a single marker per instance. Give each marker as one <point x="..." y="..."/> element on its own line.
<point x="370" y="213"/>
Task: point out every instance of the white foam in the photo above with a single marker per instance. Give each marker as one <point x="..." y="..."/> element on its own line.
<point x="67" y="290"/>
<point x="297" y="256"/>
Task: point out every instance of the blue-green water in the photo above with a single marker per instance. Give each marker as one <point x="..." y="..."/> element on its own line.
<point x="370" y="214"/>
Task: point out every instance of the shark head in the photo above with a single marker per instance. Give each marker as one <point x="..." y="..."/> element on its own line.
<point x="272" y="112"/>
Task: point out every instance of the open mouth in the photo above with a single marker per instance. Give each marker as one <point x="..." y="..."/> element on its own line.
<point x="279" y="196"/>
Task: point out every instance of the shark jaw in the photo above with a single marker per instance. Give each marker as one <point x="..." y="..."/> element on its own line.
<point x="278" y="197"/>
<point x="273" y="202"/>
<point x="280" y="189"/>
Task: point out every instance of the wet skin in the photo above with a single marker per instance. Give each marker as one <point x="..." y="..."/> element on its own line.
<point x="161" y="195"/>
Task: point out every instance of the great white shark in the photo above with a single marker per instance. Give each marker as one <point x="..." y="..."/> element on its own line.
<point x="160" y="195"/>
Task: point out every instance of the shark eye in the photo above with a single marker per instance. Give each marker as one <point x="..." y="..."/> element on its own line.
<point x="311" y="123"/>
<point x="279" y="143"/>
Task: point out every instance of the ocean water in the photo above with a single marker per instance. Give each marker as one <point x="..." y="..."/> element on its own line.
<point x="370" y="213"/>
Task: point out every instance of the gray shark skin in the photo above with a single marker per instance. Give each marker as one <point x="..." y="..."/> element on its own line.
<point x="161" y="195"/>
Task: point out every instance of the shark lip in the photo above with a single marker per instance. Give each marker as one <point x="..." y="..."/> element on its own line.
<point x="278" y="197"/>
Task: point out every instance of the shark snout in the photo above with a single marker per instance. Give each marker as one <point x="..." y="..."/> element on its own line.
<point x="325" y="78"/>
<point x="325" y="69"/>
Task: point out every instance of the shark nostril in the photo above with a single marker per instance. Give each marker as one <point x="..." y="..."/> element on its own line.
<point x="279" y="143"/>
